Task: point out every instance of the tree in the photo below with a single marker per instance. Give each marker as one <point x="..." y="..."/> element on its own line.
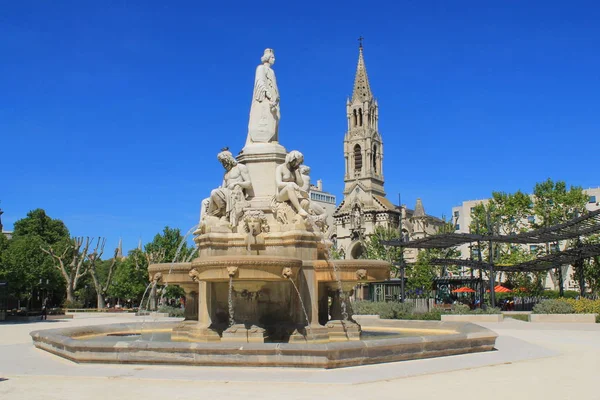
<point x="37" y="223"/>
<point x="554" y="204"/>
<point x="27" y="269"/>
<point x="376" y="250"/>
<point x="70" y="262"/>
<point x="590" y="268"/>
<point x="94" y="257"/>
<point x="169" y="242"/>
<point x="21" y="262"/>
<point x="130" y="277"/>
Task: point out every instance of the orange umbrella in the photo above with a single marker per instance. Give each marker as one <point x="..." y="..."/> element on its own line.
<point x="500" y="289"/>
<point x="463" y="289"/>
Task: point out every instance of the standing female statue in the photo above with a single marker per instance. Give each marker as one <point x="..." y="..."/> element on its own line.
<point x="263" y="126"/>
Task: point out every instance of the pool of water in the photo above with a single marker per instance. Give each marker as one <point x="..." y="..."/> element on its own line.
<point x="166" y="336"/>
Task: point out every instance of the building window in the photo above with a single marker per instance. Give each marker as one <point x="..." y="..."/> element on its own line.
<point x="592" y="199"/>
<point x="554" y="248"/>
<point x="357" y="158"/>
<point x="472" y="210"/>
<point x="374" y="158"/>
<point x="457" y="227"/>
<point x="531" y="219"/>
<point x="456" y="213"/>
<point x="533" y="248"/>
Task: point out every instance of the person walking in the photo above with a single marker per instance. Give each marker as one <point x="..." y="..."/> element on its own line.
<point x="45" y="309"/>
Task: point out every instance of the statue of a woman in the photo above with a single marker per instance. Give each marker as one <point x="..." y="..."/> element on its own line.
<point x="263" y="126"/>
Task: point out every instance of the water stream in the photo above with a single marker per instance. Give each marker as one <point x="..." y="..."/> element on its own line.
<point x="336" y="274"/>
<point x="303" y="308"/>
<point x="230" y="301"/>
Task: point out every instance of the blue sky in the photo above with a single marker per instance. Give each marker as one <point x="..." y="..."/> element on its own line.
<point x="112" y="112"/>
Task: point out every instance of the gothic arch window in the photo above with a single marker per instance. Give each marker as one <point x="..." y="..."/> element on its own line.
<point x="357" y="158"/>
<point x="360" y="116"/>
<point x="354" y="118"/>
<point x="374" y="162"/>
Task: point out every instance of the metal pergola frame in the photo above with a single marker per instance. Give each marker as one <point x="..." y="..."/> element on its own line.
<point x="584" y="225"/>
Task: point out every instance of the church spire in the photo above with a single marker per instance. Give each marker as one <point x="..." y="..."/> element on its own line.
<point x="419" y="209"/>
<point x="120" y="249"/>
<point x="362" y="89"/>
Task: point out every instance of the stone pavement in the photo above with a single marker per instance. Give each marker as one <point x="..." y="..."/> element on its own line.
<point x="533" y="361"/>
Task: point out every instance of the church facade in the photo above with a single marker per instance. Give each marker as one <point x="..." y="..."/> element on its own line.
<point x="365" y="205"/>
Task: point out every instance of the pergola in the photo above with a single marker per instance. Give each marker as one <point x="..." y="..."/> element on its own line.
<point x="584" y="225"/>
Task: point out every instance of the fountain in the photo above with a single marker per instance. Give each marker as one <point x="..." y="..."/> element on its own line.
<point x="259" y="289"/>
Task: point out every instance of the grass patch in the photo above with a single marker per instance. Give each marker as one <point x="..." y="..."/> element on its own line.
<point x="520" y="317"/>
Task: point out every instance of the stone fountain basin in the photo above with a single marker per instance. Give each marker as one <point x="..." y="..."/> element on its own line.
<point x="173" y="273"/>
<point x="352" y="270"/>
<point x="216" y="269"/>
<point x="246" y="268"/>
<point x="75" y="344"/>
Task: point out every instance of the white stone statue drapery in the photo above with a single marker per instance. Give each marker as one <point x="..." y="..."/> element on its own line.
<point x="263" y="126"/>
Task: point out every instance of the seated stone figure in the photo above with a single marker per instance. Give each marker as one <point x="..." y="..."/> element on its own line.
<point x="315" y="209"/>
<point x="290" y="183"/>
<point x="227" y="202"/>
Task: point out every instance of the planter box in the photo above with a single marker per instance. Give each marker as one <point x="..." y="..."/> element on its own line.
<point x="473" y="317"/>
<point x="578" y="318"/>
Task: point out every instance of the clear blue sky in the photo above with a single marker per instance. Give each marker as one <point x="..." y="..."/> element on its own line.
<point x="112" y="112"/>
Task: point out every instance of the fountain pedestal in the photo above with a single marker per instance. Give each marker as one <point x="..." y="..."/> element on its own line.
<point x="238" y="333"/>
<point x="194" y="331"/>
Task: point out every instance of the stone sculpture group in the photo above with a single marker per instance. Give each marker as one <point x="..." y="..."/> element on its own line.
<point x="230" y="205"/>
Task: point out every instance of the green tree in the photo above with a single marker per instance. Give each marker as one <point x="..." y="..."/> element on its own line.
<point x="555" y="204"/>
<point x="22" y="263"/>
<point x="131" y="278"/>
<point x="29" y="272"/>
<point x="589" y="267"/>
<point x="101" y="272"/>
<point x="69" y="259"/>
<point x="168" y="242"/>
<point x="374" y="249"/>
<point x="38" y="223"/>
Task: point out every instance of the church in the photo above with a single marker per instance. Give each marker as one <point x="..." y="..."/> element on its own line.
<point x="365" y="205"/>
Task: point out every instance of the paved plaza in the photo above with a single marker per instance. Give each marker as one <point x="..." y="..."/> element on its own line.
<point x="532" y="361"/>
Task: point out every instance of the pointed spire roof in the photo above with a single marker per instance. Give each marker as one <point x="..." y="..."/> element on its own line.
<point x="120" y="248"/>
<point x="362" y="89"/>
<point x="140" y="244"/>
<point x="419" y="210"/>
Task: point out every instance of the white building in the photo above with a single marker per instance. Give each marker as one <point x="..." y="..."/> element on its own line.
<point x="461" y="218"/>
<point x="324" y="199"/>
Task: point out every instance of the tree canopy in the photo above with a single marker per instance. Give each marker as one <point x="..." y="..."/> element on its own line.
<point x="38" y="223"/>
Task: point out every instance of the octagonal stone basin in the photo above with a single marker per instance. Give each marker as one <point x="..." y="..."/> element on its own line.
<point x="429" y="339"/>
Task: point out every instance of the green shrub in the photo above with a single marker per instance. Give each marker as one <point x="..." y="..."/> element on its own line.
<point x="460" y="309"/>
<point x="173" y="311"/>
<point x="585" y="306"/>
<point x="385" y="310"/>
<point x="555" y="294"/>
<point x="553" y="307"/>
<point x="72" y="304"/>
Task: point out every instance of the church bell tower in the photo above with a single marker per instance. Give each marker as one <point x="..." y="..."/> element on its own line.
<point x="363" y="147"/>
